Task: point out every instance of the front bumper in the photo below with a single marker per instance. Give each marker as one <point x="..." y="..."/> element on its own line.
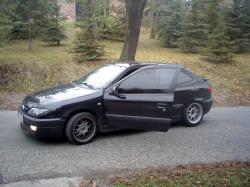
<point x="46" y="128"/>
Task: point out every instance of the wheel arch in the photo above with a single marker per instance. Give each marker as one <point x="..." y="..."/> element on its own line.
<point x="200" y="101"/>
<point x="72" y="113"/>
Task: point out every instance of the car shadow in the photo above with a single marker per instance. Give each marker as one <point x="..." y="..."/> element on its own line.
<point x="102" y="135"/>
<point x="124" y="132"/>
<point x="177" y="125"/>
<point x="127" y="132"/>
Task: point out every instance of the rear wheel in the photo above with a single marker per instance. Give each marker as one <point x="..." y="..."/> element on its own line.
<point x="81" y="128"/>
<point x="193" y="114"/>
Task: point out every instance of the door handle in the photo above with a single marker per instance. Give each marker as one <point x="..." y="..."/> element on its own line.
<point x="121" y="96"/>
<point x="194" y="90"/>
<point x="162" y="107"/>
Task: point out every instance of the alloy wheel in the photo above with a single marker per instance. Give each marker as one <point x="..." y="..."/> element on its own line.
<point x="84" y="129"/>
<point x="194" y="113"/>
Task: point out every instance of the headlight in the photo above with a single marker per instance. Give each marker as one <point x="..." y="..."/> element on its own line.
<point x="37" y="112"/>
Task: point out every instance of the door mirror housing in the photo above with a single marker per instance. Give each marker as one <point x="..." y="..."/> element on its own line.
<point x="116" y="93"/>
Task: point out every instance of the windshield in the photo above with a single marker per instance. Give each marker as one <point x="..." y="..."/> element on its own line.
<point x="101" y="77"/>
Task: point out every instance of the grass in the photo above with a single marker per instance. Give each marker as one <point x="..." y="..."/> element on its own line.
<point x="217" y="175"/>
<point x="227" y="79"/>
<point x="25" y="71"/>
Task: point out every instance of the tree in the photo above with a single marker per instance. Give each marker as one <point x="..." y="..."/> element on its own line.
<point x="233" y="22"/>
<point x="134" y="13"/>
<point x="194" y="28"/>
<point x="5" y="22"/>
<point x="53" y="30"/>
<point x="27" y="18"/>
<point x="86" y="45"/>
<point x="110" y="25"/>
<point x="152" y="9"/>
<point x="238" y="24"/>
<point x="171" y="15"/>
<point x="102" y="7"/>
<point x="219" y="47"/>
<point x="246" y="25"/>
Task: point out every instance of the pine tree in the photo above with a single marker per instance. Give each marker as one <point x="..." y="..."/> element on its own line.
<point x="27" y="18"/>
<point x="233" y="23"/>
<point x="5" y="23"/>
<point x="194" y="28"/>
<point x="86" y="44"/>
<point x="171" y="15"/>
<point x="219" y="47"/>
<point x="238" y="24"/>
<point x="244" y="43"/>
<point x="53" y="30"/>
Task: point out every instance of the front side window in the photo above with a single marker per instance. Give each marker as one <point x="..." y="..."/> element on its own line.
<point x="154" y="80"/>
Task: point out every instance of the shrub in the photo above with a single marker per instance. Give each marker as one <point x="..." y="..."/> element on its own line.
<point x="111" y="27"/>
<point x="86" y="44"/>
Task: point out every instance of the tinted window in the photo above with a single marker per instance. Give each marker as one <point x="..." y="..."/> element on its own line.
<point x="184" y="78"/>
<point x="128" y="73"/>
<point x="148" y="81"/>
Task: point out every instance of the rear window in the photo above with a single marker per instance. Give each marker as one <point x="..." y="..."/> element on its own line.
<point x="184" y="78"/>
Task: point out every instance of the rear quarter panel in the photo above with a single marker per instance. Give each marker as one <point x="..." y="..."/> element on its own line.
<point x="184" y="94"/>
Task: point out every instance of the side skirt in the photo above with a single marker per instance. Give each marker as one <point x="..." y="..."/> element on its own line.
<point x="138" y="122"/>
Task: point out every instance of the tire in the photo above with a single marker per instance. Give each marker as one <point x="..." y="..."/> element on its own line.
<point x="193" y="114"/>
<point x="81" y="128"/>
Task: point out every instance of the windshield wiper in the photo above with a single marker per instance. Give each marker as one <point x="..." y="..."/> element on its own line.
<point x="84" y="83"/>
<point x="75" y="82"/>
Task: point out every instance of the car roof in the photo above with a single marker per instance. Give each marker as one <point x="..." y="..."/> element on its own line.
<point x="143" y="64"/>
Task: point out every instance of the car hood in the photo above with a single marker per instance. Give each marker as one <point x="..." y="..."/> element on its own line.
<point x="59" y="93"/>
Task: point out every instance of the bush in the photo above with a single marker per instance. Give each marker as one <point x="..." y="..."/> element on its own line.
<point x="86" y="44"/>
<point x="4" y="34"/>
<point x="111" y="27"/>
<point x="53" y="34"/>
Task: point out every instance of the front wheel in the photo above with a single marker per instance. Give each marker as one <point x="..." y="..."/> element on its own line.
<point x="193" y="114"/>
<point x="81" y="128"/>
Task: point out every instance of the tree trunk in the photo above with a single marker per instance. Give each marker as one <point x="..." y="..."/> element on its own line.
<point x="30" y="35"/>
<point x="134" y="13"/>
<point x="152" y="20"/>
<point x="152" y="32"/>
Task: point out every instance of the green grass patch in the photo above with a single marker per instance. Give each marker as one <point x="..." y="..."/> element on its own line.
<point x="218" y="175"/>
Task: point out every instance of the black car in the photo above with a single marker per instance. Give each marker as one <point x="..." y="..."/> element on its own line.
<point x="118" y="96"/>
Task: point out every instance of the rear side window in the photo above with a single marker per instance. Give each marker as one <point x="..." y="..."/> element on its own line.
<point x="184" y="78"/>
<point x="154" y="80"/>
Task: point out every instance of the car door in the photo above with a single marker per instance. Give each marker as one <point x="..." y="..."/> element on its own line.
<point x="143" y="100"/>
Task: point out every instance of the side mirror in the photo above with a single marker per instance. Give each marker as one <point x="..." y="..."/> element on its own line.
<point x="116" y="93"/>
